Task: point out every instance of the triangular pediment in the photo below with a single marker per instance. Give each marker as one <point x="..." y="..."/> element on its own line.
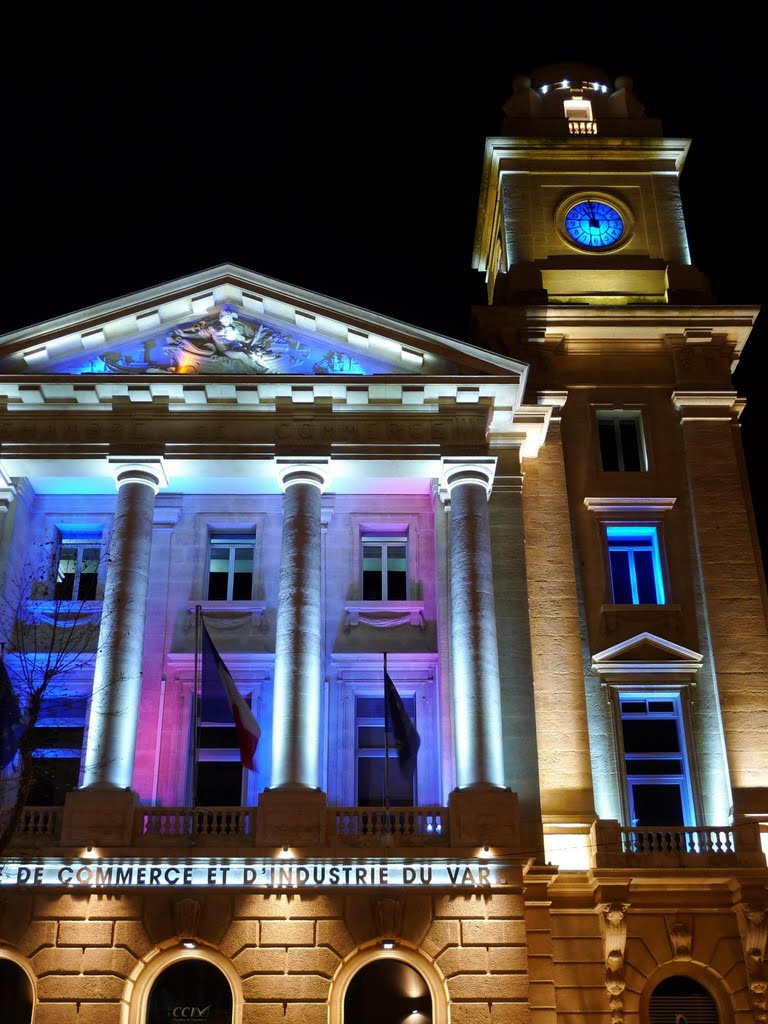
<point x="646" y="652"/>
<point x="230" y="322"/>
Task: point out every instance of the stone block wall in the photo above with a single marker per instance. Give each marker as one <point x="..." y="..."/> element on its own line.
<point x="496" y="959"/>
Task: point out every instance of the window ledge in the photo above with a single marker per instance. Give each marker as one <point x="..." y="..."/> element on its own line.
<point x="65" y="613"/>
<point x="384" y="614"/>
<point x="635" y="608"/>
<point x="229" y="614"/>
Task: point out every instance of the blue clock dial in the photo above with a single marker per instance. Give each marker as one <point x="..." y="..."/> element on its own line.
<point x="594" y="224"/>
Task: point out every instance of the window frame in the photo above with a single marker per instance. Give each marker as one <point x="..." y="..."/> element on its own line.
<point x="80" y="539"/>
<point x="79" y="691"/>
<point x="417" y="676"/>
<point x="386" y="541"/>
<point x="256" y="691"/>
<point x="370" y="753"/>
<point x="688" y="780"/>
<point x="231" y="539"/>
<point x="616" y="416"/>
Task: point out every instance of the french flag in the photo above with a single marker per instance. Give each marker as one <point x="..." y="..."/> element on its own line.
<point x="214" y="678"/>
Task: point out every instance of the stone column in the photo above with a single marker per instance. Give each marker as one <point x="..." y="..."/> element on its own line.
<point x="297" y="704"/>
<point x="474" y="653"/>
<point x="117" y="675"/>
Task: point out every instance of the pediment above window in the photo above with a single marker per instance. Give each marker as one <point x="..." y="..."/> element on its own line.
<point x="646" y="655"/>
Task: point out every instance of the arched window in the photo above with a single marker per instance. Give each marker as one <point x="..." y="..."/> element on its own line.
<point x="190" y="990"/>
<point x="388" y="991"/>
<point x="681" y="1000"/>
<point x="15" y="993"/>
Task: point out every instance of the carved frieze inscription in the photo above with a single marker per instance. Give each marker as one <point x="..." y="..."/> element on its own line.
<point x="320" y="430"/>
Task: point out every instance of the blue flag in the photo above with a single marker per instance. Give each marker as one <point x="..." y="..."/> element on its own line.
<point x="11" y="720"/>
<point x="407" y="739"/>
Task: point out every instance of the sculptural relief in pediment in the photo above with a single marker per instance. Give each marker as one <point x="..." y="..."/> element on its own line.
<point x="226" y="342"/>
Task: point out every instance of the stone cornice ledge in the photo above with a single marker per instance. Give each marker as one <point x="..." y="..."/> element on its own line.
<point x="707" y="405"/>
<point x="634" y="504"/>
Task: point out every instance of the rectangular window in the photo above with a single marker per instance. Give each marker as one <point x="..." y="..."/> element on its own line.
<point x="58" y="740"/>
<point x="220" y="774"/>
<point x="230" y="569"/>
<point x="655" y="763"/>
<point x="635" y="565"/>
<point x="622" y="447"/>
<point x="370" y="756"/>
<point x="77" y="568"/>
<point x="385" y="569"/>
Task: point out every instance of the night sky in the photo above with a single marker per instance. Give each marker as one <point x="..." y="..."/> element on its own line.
<point x="343" y="154"/>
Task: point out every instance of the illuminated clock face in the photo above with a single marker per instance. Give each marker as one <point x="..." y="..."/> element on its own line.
<point x="593" y="224"/>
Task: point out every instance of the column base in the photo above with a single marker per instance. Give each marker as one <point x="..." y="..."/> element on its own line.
<point x="291" y="817"/>
<point x="98" y="816"/>
<point x="484" y="816"/>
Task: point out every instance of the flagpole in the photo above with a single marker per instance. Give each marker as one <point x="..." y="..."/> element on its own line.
<point x="196" y="704"/>
<point x="386" y="739"/>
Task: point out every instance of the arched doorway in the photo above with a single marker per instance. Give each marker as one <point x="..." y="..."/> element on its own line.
<point x="16" y="993"/>
<point x="388" y="991"/>
<point x="190" y="990"/>
<point x="681" y="1000"/>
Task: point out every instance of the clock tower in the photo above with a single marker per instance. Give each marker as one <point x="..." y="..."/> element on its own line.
<point x="582" y="240"/>
<point x="580" y="198"/>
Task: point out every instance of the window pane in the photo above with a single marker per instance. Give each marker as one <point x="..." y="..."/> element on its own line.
<point x="372" y="558"/>
<point x="630" y="447"/>
<point x="646" y="579"/>
<point x="373" y="589"/>
<point x="65" y="574"/>
<point x="242" y="574"/>
<point x="649" y="766"/>
<point x="397" y="576"/>
<point x="397" y="586"/>
<point x="371" y="783"/>
<point x="657" y="804"/>
<point x="217" y="586"/>
<point x="609" y="452"/>
<point x="370" y="707"/>
<point x="620" y="578"/>
<point x="661" y="707"/>
<point x="54" y="777"/>
<point x="218" y="737"/>
<point x="55" y="737"/>
<point x="242" y="586"/>
<point x="373" y="707"/>
<point x="633" y="707"/>
<point x="650" y="736"/>
<point x="219" y="784"/>
<point x="370" y="736"/>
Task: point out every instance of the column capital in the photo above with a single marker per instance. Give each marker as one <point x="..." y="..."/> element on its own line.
<point x="303" y="471"/>
<point x="455" y="471"/>
<point x="150" y="472"/>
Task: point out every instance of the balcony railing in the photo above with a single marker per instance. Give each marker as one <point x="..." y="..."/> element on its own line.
<point x="677" y="846"/>
<point x="209" y="825"/>
<point x="398" y="826"/>
<point x="38" y="826"/>
<point x="679" y="841"/>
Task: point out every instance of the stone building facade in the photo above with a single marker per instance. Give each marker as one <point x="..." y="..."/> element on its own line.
<point x="547" y="530"/>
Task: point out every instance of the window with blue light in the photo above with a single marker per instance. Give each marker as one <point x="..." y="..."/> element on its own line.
<point x="655" y="760"/>
<point x="635" y="565"/>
